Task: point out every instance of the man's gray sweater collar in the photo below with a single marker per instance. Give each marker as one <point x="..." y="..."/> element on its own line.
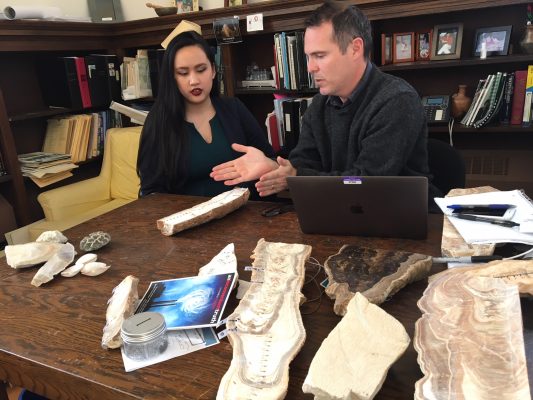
<point x="336" y="102"/>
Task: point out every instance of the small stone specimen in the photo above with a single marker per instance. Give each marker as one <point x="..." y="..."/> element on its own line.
<point x="376" y="274"/>
<point x="353" y="360"/>
<point x="223" y="263"/>
<point x="94" y="268"/>
<point x="469" y="338"/>
<point x="59" y="261"/>
<point x="29" y="254"/>
<point x="217" y="207"/>
<point x="95" y="241"/>
<point x="121" y="306"/>
<point x="453" y="244"/>
<point x="76" y="268"/>
<point x="52" y="236"/>
<point x="266" y="329"/>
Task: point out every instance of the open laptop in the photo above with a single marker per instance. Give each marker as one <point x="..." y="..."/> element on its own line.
<point x="380" y="206"/>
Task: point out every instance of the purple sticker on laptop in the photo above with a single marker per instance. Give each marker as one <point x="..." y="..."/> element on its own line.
<point x="352" y="180"/>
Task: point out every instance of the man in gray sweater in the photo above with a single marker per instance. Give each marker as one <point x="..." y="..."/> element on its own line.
<point x="364" y="122"/>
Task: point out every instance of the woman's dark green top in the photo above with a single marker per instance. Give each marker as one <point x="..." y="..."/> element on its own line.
<point x="204" y="156"/>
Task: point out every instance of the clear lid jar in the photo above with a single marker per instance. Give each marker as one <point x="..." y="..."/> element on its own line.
<point x="144" y="336"/>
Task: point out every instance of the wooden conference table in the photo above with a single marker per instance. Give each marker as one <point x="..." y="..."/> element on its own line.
<point x="50" y="336"/>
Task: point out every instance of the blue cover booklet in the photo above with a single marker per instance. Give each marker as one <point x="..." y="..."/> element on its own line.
<point x="186" y="303"/>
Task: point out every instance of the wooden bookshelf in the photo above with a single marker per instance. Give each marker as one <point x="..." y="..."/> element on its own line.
<point x="23" y="113"/>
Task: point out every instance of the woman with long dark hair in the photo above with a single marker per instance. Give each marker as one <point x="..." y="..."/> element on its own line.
<point x="190" y="129"/>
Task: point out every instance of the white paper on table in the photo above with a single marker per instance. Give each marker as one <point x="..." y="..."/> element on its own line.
<point x="475" y="232"/>
<point x="179" y="343"/>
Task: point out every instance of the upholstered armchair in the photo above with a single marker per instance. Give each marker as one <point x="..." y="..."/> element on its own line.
<point x="117" y="184"/>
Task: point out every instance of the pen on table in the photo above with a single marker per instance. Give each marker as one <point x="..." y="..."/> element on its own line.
<point x="472" y="206"/>
<point x="501" y="222"/>
<point x="467" y="259"/>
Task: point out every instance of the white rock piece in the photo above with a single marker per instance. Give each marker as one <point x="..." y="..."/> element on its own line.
<point x="73" y="270"/>
<point x="59" y="261"/>
<point x="266" y="329"/>
<point x="52" y="236"/>
<point x="223" y="263"/>
<point x="217" y="207"/>
<point x="29" y="254"/>
<point x="94" y="268"/>
<point x="121" y="306"/>
<point x="353" y="360"/>
<point x="76" y="268"/>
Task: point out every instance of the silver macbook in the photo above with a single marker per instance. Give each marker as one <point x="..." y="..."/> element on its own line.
<point x="379" y="206"/>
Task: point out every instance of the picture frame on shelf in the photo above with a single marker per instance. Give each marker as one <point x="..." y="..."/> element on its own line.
<point x="386" y="49"/>
<point x="403" y="47"/>
<point x="231" y="3"/>
<point x="496" y="40"/>
<point x="447" y="41"/>
<point x="423" y="46"/>
<point x="184" y="6"/>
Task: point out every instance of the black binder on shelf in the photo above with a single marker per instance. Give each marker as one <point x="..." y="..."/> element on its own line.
<point x="97" y="77"/>
<point x="112" y="67"/>
<point x="58" y="78"/>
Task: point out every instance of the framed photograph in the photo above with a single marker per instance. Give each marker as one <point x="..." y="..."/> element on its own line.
<point x="227" y="30"/>
<point x="230" y="3"/>
<point x="186" y="5"/>
<point x="496" y="40"/>
<point x="403" y="47"/>
<point x="423" y="46"/>
<point x="446" y="43"/>
<point x="386" y="49"/>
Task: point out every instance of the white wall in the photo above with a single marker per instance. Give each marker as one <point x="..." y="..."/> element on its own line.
<point x="132" y="9"/>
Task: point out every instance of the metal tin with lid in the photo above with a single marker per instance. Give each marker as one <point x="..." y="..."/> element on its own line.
<point x="144" y="336"/>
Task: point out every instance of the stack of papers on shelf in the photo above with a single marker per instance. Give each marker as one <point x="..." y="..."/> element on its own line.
<point x="46" y="168"/>
<point x="475" y="232"/>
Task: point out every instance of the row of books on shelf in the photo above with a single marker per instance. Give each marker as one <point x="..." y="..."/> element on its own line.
<point x="291" y="62"/>
<point x="283" y="124"/>
<point x="506" y="98"/>
<point x="81" y="136"/>
<point x="80" y="82"/>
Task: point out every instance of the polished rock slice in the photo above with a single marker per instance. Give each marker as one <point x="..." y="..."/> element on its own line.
<point x="59" y="261"/>
<point x="375" y="273"/>
<point x="121" y="306"/>
<point x="29" y="254"/>
<point x="266" y="329"/>
<point x="469" y="338"/>
<point x="217" y="207"/>
<point x="353" y="360"/>
<point x="453" y="244"/>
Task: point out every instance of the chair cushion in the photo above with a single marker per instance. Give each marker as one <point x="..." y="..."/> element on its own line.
<point x="39" y="227"/>
<point x="124" y="147"/>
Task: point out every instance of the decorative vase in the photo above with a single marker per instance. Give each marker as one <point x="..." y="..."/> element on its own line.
<point x="527" y="40"/>
<point x="460" y="102"/>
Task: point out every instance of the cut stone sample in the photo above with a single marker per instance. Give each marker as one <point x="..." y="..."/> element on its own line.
<point x="224" y="262"/>
<point x="217" y="207"/>
<point x="375" y="273"/>
<point x="353" y="360"/>
<point x="52" y="236"/>
<point x="29" y="254"/>
<point x="266" y="329"/>
<point x="469" y="339"/>
<point x="121" y="306"/>
<point x="453" y="244"/>
<point x="57" y="263"/>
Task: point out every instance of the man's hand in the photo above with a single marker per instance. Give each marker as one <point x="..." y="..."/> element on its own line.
<point x="248" y="167"/>
<point x="276" y="180"/>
